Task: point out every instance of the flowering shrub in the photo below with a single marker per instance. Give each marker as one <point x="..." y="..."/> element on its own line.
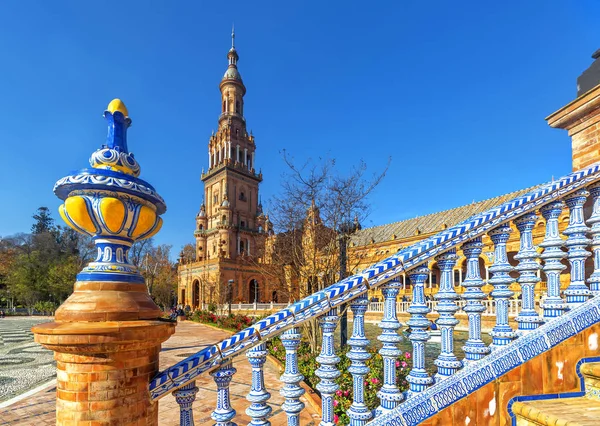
<point x="228" y="322"/>
<point x="343" y="400"/>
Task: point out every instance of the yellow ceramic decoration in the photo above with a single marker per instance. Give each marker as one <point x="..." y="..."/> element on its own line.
<point x="113" y="213"/>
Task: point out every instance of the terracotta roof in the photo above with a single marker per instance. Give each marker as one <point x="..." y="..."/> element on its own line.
<point x="431" y="223"/>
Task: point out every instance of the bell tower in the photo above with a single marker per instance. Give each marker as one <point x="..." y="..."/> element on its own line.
<point x="230" y="219"/>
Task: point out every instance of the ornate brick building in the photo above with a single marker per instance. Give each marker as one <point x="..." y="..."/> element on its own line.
<point x="230" y="227"/>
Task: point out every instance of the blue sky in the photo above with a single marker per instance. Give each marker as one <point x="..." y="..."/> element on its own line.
<point x="455" y="92"/>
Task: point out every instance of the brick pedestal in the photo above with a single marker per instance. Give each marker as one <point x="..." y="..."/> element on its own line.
<point x="107" y="351"/>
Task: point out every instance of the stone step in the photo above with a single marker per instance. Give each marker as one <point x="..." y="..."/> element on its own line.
<point x="591" y="378"/>
<point x="579" y="411"/>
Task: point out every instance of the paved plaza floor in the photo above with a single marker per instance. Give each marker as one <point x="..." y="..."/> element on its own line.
<point x="23" y="363"/>
<point x="38" y="409"/>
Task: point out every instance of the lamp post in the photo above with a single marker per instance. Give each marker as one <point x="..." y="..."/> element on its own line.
<point x="344" y="232"/>
<point x="229" y="294"/>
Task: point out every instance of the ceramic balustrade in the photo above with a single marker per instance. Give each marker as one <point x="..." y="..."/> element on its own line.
<point x="530" y="259"/>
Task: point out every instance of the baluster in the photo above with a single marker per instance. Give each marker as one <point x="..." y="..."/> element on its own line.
<point x="258" y="410"/>
<point x="327" y="370"/>
<point x="291" y="377"/>
<point x="418" y="378"/>
<point x="502" y="333"/>
<point x="528" y="319"/>
<point x="594" y="220"/>
<point x="359" y="413"/>
<point x="474" y="347"/>
<point x="447" y="363"/>
<point x="552" y="303"/>
<point x="577" y="292"/>
<point x="185" y="397"/>
<point x="389" y="394"/>
<point x="224" y="412"/>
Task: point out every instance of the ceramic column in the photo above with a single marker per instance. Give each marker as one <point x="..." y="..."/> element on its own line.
<point x="447" y="363"/>
<point x="327" y="370"/>
<point x="418" y="378"/>
<point x="389" y="394"/>
<point x="474" y="347"/>
<point x="258" y="410"/>
<point x="185" y="397"/>
<point x="552" y="303"/>
<point x="594" y="220"/>
<point x="359" y="413"/>
<point x="502" y="333"/>
<point x="528" y="319"/>
<point x="291" y="377"/>
<point x="577" y="292"/>
<point x="224" y="413"/>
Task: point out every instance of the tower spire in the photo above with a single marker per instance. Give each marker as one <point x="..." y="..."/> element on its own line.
<point x="232" y="36"/>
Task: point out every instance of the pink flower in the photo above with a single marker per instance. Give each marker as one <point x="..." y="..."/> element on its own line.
<point x="404" y="364"/>
<point x="397" y="364"/>
<point x="338" y="392"/>
<point x="274" y="348"/>
<point x="407" y="355"/>
<point x="335" y="418"/>
<point x="346" y="393"/>
<point x="335" y="403"/>
<point x="374" y="380"/>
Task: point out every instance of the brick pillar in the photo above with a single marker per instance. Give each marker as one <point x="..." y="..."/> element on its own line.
<point x="581" y="118"/>
<point x="107" y="335"/>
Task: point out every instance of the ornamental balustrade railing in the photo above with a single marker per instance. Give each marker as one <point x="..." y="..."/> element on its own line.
<point x="573" y="247"/>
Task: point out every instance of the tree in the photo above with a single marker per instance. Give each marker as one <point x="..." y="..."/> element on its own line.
<point x="316" y="202"/>
<point x="43" y="221"/>
<point x="160" y="274"/>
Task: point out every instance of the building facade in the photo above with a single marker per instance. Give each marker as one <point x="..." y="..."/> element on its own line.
<point x="230" y="227"/>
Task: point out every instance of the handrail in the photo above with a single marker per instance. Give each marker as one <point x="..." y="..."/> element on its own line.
<point x="349" y="288"/>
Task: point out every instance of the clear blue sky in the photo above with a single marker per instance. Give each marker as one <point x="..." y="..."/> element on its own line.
<point x="455" y="92"/>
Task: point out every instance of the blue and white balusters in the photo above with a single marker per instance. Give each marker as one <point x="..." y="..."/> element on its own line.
<point x="224" y="412"/>
<point x="258" y="410"/>
<point x="389" y="394"/>
<point x="418" y="378"/>
<point x="552" y="303"/>
<point x="528" y="318"/>
<point x="185" y="397"/>
<point x="327" y="370"/>
<point x="594" y="220"/>
<point x="577" y="291"/>
<point x="474" y="347"/>
<point x="502" y="333"/>
<point x="291" y="391"/>
<point x="359" y="413"/>
<point x="447" y="363"/>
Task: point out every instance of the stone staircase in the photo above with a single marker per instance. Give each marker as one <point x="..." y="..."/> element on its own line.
<point x="564" y="409"/>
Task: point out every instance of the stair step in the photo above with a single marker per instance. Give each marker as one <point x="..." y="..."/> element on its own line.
<point x="591" y="377"/>
<point x="580" y="411"/>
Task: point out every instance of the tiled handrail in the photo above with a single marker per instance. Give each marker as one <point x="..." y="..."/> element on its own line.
<point x="473" y="376"/>
<point x="404" y="261"/>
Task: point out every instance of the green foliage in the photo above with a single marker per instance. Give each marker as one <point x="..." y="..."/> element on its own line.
<point x="373" y="381"/>
<point x="45" y="308"/>
<point x="212" y="307"/>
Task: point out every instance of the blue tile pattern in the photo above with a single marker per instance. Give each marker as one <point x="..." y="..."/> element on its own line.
<point x="503" y="359"/>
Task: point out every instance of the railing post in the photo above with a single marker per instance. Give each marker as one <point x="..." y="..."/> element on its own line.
<point x="577" y="292"/>
<point x="327" y="370"/>
<point x="185" y="397"/>
<point x="594" y="220"/>
<point x="224" y="412"/>
<point x="552" y="303"/>
<point x="389" y="394"/>
<point x="418" y="378"/>
<point x="528" y="318"/>
<point x="359" y="413"/>
<point x="258" y="396"/>
<point x="447" y="363"/>
<point x="474" y="347"/>
<point x="291" y="377"/>
<point x="502" y="334"/>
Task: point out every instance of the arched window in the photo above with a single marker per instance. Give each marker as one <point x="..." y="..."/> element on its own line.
<point x="201" y="227"/>
<point x="241" y="247"/>
<point x="224" y="106"/>
<point x="237" y="107"/>
<point x="224" y="219"/>
<point x="253" y="291"/>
